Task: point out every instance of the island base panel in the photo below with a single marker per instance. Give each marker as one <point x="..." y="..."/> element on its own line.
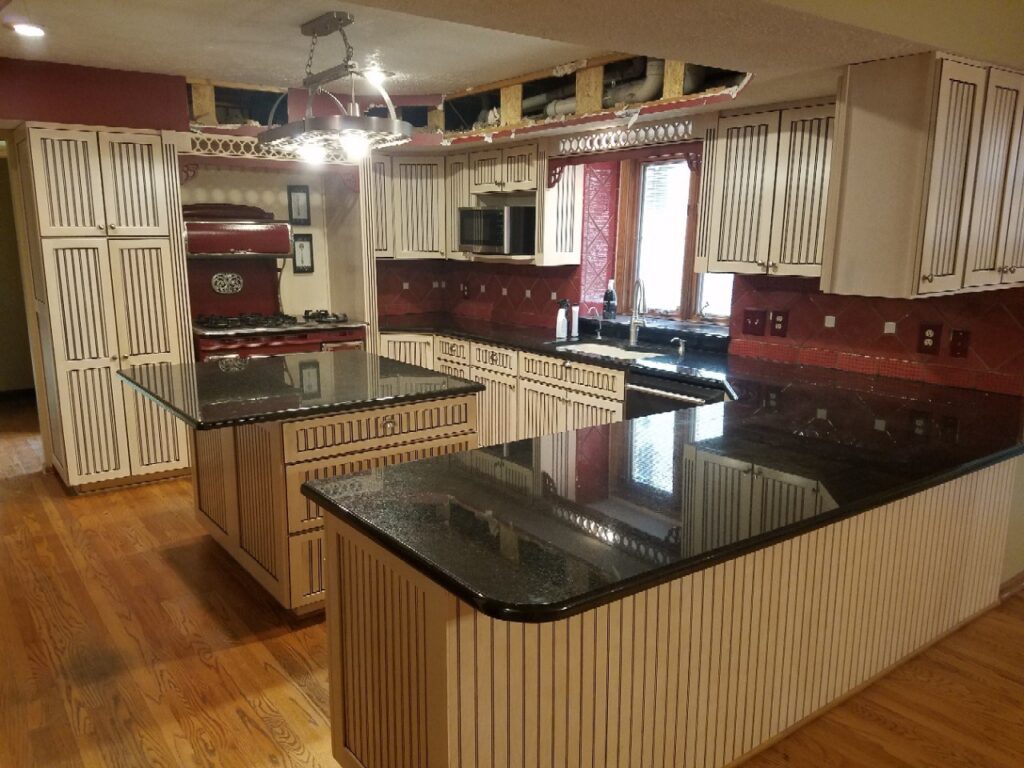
<point x="702" y="670"/>
<point x="247" y="491"/>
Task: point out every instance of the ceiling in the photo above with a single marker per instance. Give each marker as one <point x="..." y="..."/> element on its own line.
<point x="258" y="42"/>
<point x="793" y="47"/>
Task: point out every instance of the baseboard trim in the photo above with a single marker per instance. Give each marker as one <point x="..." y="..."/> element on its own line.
<point x="1011" y="586"/>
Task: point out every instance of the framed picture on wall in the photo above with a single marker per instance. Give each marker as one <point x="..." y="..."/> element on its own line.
<point x="298" y="204"/>
<point x="302" y="264"/>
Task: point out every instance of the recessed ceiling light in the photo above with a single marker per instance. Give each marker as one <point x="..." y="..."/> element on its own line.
<point x="28" y="30"/>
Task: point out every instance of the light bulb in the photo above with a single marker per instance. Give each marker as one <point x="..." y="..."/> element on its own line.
<point x="375" y="75"/>
<point x="356" y="146"/>
<point x="312" y="153"/>
<point x="28" y="30"/>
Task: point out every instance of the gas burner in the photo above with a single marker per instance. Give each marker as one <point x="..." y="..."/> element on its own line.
<point x="217" y="321"/>
<point x="323" y="316"/>
<point x="258" y="320"/>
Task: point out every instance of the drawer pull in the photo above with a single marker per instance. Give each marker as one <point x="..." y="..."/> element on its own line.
<point x="388" y="425"/>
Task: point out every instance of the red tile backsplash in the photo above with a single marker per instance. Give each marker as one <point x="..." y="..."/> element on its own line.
<point x="414" y="287"/>
<point x="995" y="320"/>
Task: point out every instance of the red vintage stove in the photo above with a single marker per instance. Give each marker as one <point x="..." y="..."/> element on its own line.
<point x="234" y="289"/>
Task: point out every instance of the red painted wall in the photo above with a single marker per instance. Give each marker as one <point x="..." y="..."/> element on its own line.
<point x="995" y="320"/>
<point x="414" y="287"/>
<point x="64" y="93"/>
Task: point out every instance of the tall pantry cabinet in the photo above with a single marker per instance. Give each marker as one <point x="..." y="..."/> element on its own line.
<point x="102" y="248"/>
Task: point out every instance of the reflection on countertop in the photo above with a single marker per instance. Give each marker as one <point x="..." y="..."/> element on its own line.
<point x="545" y="528"/>
<point x="232" y="390"/>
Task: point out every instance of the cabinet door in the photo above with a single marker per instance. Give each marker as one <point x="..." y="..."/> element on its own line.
<point x="419" y="207"/>
<point x="456" y="189"/>
<point x="723" y="489"/>
<point x="378" y="213"/>
<point x="951" y="183"/>
<point x="146" y="315"/>
<point x="485" y="171"/>
<point x="1012" y="249"/>
<point x="542" y="409"/>
<point x="520" y="168"/>
<point x="801" y="191"/>
<point x="780" y="499"/>
<point x="707" y="192"/>
<point x="68" y="189"/>
<point x="496" y="407"/>
<point x="560" y="219"/>
<point x="85" y="348"/>
<point x="588" y="411"/>
<point x="997" y="166"/>
<point x="134" y="188"/>
<point x="744" y="184"/>
<point x="411" y="348"/>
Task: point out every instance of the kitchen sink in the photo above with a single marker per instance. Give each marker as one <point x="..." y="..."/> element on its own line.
<point x="607" y="350"/>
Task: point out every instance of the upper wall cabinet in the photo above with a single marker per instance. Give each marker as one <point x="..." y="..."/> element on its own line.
<point x="766" y="176"/>
<point x="457" y="195"/>
<point x="379" y="222"/>
<point x="419" y="210"/>
<point x="510" y="169"/>
<point x="560" y="219"/>
<point x="99" y="184"/>
<point x="925" y="174"/>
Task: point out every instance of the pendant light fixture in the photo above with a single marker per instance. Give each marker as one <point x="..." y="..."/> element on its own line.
<point x="348" y="136"/>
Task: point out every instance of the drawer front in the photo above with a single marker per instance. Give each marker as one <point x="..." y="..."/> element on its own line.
<point x="364" y="469"/>
<point x="376" y="428"/>
<point x="494" y="358"/>
<point x="458" y="370"/>
<point x="591" y="379"/>
<point x="456" y="350"/>
<point x="306" y="568"/>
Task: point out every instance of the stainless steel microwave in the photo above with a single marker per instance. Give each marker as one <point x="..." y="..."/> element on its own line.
<point x="504" y="231"/>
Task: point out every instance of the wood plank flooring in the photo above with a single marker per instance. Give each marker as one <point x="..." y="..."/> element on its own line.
<point x="127" y="638"/>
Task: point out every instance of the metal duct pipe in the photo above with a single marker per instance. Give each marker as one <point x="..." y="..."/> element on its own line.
<point x="633" y="92"/>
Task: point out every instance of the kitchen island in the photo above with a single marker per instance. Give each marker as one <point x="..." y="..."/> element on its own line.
<point x="674" y="590"/>
<point x="262" y="426"/>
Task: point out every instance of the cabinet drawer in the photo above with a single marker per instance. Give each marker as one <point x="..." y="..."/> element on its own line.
<point x="456" y="350"/>
<point x="494" y="358"/>
<point x="364" y="469"/>
<point x="591" y="379"/>
<point x="375" y="428"/>
<point x="306" y="568"/>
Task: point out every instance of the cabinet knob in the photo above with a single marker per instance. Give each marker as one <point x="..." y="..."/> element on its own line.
<point x="928" y="278"/>
<point x="101" y="227"/>
<point x="1012" y="270"/>
<point x="773" y="266"/>
<point x="111" y="226"/>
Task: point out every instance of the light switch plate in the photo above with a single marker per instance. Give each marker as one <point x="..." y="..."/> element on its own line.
<point x="959" y="343"/>
<point x="754" y="321"/>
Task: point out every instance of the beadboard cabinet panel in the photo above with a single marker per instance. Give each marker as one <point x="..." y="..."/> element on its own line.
<point x="801" y="190"/>
<point x="380" y="198"/>
<point x="419" y="207"/>
<point x="743" y="193"/>
<point x="485" y="171"/>
<point x="68" y="185"/>
<point x="496" y="407"/>
<point x="542" y="409"/>
<point x="133" y="185"/>
<point x="587" y="411"/>
<point x="991" y="217"/>
<point x="411" y="348"/>
<point x="519" y="168"/>
<point x="953" y="164"/>
<point x="457" y="195"/>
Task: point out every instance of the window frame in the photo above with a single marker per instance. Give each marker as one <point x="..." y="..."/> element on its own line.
<point x="627" y="250"/>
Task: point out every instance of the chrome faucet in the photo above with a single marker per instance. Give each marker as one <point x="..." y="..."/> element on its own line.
<point x="600" y="320"/>
<point x="639" y="309"/>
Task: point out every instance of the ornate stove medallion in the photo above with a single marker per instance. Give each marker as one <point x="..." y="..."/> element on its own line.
<point x="226" y="282"/>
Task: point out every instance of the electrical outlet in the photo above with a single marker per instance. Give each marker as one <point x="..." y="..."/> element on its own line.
<point x="959" y="342"/>
<point x="464" y="290"/>
<point x="754" y="322"/>
<point x="929" y="338"/>
<point x="779" y="322"/>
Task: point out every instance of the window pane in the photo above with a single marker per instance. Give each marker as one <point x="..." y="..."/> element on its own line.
<point x="652" y="451"/>
<point x="661" y="247"/>
<point x="715" y="294"/>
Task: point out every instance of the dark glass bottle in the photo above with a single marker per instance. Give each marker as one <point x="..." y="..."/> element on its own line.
<point x="611" y="303"/>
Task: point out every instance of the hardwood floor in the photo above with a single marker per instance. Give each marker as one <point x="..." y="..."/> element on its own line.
<point x="127" y="638"/>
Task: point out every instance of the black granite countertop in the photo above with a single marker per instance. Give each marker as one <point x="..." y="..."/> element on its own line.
<point x="524" y="535"/>
<point x="231" y="391"/>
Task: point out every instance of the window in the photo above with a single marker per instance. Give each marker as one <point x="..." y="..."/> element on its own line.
<point x="666" y="194"/>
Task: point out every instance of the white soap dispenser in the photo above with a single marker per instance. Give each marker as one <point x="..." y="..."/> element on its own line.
<point x="574" y="329"/>
<point x="562" y="320"/>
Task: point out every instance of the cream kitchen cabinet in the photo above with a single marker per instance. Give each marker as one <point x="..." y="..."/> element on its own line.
<point x="418" y="192"/>
<point x="101" y="302"/>
<point x="508" y="169"/>
<point x="543" y="409"/>
<point x="411" y="348"/>
<point x="99" y="183"/>
<point x="557" y="395"/>
<point x="926" y="167"/>
<point x="457" y="195"/>
<point x="379" y="212"/>
<point x="767" y="179"/>
<point x="497" y="406"/>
